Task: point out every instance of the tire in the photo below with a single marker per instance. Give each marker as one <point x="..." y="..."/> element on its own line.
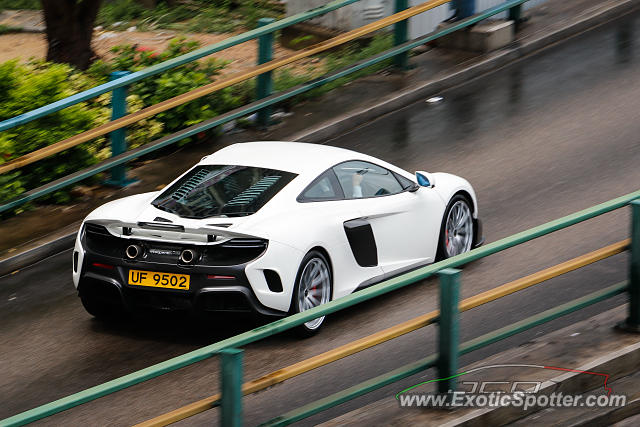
<point x="100" y="309"/>
<point x="463" y="232"/>
<point x="313" y="261"/>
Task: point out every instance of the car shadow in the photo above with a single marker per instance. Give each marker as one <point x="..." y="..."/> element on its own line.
<point x="176" y="327"/>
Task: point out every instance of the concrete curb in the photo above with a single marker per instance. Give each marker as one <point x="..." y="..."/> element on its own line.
<point x="331" y="129"/>
<point x="614" y="416"/>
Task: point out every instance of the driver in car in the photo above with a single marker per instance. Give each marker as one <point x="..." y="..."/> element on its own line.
<point x="356" y="181"/>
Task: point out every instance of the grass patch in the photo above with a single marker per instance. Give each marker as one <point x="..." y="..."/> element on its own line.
<point x="189" y="16"/>
<point x="351" y="53"/>
<point x="20" y="4"/>
<point x="5" y="29"/>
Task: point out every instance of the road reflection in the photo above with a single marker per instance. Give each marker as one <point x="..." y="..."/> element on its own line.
<point x="624" y="42"/>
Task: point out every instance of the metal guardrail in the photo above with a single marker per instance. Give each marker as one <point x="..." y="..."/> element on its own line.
<point x="380" y="337"/>
<point x="364" y="295"/>
<point x="433" y="360"/>
<point x="255" y="106"/>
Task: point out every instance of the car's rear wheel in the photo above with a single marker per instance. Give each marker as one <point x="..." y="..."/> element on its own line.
<point x="99" y="308"/>
<point x="312" y="288"/>
<point x="456" y="232"/>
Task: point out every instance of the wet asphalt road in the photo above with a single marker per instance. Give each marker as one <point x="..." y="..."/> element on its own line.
<point x="547" y="136"/>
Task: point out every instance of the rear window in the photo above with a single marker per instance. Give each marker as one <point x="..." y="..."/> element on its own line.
<point x="214" y="190"/>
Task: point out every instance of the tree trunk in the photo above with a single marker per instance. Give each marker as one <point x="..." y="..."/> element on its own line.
<point x="69" y="30"/>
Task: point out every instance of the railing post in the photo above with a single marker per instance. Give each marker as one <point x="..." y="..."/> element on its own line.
<point x="401" y="35"/>
<point x="118" y="136"/>
<point x="265" y="80"/>
<point x="632" y="323"/>
<point x="448" y="329"/>
<point x="515" y="14"/>
<point x="463" y="8"/>
<point x="231" y="405"/>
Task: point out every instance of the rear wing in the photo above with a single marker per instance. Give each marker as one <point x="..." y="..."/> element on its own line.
<point x="164" y="232"/>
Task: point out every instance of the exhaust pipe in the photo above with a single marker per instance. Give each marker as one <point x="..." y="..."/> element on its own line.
<point x="133" y="251"/>
<point x="187" y="256"/>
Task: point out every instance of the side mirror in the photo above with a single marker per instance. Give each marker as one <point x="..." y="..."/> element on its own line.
<point x="425" y="179"/>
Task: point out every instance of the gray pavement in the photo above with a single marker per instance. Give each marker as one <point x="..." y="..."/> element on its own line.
<point x="549" y="135"/>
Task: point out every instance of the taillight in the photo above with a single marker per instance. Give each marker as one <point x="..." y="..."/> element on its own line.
<point x="105" y="266"/>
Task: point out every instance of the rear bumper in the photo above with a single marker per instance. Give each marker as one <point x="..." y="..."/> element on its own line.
<point x="218" y="279"/>
<point x="205" y="294"/>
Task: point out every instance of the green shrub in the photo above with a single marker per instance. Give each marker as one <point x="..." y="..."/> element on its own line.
<point x="10" y="186"/>
<point x="26" y="87"/>
<point x="285" y="78"/>
<point x="192" y="16"/>
<point x="20" y="4"/>
<point x="5" y="29"/>
<point x="176" y="82"/>
<point x="353" y="53"/>
<point x="120" y="11"/>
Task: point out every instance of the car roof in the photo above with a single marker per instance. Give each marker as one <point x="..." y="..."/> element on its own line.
<point x="297" y="157"/>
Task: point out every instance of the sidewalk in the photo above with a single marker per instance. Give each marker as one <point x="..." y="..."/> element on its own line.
<point x="592" y="345"/>
<point x="351" y="106"/>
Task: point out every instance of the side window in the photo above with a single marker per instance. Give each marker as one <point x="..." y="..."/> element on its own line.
<point x="325" y="187"/>
<point x="404" y="182"/>
<point x="364" y="179"/>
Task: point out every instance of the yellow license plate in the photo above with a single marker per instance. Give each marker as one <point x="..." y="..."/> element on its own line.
<point x="159" y="280"/>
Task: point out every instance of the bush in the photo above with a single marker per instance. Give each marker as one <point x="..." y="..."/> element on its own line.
<point x="120" y="11"/>
<point x="4" y="29"/>
<point x="19" y="4"/>
<point x="353" y="53"/>
<point x="25" y="87"/>
<point x="176" y="82"/>
<point x="193" y="16"/>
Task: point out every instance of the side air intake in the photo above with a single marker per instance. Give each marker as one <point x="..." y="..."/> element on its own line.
<point x="273" y="280"/>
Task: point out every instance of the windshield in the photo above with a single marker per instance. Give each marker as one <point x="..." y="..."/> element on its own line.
<point x="214" y="190"/>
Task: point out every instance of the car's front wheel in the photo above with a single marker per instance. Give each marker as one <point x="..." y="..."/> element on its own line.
<point x="312" y="288"/>
<point x="456" y="232"/>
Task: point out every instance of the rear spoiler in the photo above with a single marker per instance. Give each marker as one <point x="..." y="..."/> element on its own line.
<point x="171" y="231"/>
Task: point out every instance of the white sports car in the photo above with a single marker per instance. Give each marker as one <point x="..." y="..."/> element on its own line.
<point x="273" y="228"/>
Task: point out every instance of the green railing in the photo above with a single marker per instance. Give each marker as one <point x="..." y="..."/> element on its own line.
<point x="172" y="63"/>
<point x="231" y="359"/>
<point x="121" y="157"/>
